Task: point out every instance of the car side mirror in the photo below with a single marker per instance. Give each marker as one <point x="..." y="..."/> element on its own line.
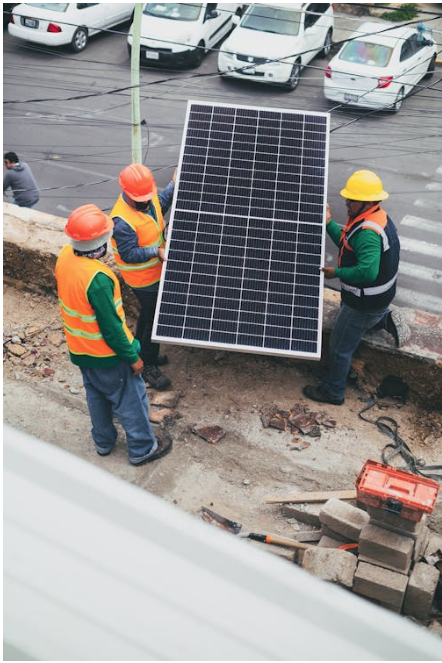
<point x="213" y="14"/>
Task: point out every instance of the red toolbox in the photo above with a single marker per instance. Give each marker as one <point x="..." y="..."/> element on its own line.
<point x="403" y="493"/>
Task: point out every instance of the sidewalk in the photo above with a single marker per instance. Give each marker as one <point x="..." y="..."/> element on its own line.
<point x="347" y="22"/>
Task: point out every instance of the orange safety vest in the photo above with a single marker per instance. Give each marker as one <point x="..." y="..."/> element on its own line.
<point x="74" y="275"/>
<point x="149" y="233"/>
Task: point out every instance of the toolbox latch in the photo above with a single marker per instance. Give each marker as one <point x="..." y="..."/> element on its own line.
<point x="392" y="505"/>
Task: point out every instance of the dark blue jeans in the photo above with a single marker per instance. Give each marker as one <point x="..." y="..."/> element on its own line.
<point x="349" y="328"/>
<point x="117" y="391"/>
<point x="149" y="350"/>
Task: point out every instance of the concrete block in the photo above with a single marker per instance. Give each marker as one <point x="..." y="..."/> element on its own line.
<point x="380" y="584"/>
<point x="305" y="513"/>
<point x="421" y="590"/>
<point x="384" y="548"/>
<point x="328" y="542"/>
<point x="421" y="543"/>
<point x="309" y="536"/>
<point x="326" y="531"/>
<point x="394" y="522"/>
<point x="434" y="543"/>
<point x="337" y="566"/>
<point x="343" y="518"/>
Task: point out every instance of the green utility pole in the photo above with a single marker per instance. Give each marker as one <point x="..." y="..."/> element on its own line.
<point x="135" y="83"/>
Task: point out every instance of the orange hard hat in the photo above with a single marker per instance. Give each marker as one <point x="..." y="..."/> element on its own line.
<point x="88" y="227"/>
<point x="138" y="182"/>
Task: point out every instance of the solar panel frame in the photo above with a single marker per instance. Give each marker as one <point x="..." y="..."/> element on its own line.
<point x="197" y="240"/>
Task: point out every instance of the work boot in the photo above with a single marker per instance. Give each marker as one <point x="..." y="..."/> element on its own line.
<point x="155" y="378"/>
<point x="164" y="446"/>
<point x="317" y="394"/>
<point x="162" y="360"/>
<point x="397" y="327"/>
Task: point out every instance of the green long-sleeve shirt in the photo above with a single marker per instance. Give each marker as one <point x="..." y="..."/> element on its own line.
<point x="101" y="297"/>
<point x="367" y="246"/>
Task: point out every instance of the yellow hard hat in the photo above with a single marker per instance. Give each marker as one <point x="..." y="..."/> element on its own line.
<point x="364" y="185"/>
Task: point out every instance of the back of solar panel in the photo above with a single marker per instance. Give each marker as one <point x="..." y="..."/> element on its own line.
<point x="247" y="232"/>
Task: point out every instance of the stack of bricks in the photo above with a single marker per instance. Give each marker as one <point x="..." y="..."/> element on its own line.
<point x="387" y="568"/>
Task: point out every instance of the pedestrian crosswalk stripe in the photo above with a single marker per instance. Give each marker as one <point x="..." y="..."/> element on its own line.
<point x="434" y="186"/>
<point x="428" y="204"/>
<point x="418" y="300"/>
<point x="417" y="246"/>
<point x="419" y="272"/>
<point x="424" y="225"/>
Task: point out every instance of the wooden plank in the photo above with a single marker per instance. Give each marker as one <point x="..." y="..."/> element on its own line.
<point x="320" y="496"/>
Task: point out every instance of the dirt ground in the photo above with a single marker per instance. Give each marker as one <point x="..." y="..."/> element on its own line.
<point x="44" y="396"/>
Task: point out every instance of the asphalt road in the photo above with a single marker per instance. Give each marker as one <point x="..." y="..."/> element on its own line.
<point x="72" y="126"/>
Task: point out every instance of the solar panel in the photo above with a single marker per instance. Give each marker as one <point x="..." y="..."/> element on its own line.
<point x="246" y="236"/>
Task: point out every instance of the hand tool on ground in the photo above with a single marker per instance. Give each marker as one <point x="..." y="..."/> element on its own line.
<point x="216" y="519"/>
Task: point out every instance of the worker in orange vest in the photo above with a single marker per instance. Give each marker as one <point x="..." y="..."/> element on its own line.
<point x="139" y="250"/>
<point x="100" y="342"/>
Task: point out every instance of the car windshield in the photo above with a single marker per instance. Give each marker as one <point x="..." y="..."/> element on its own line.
<point x="175" y="11"/>
<point x="54" y="6"/>
<point x="364" y="52"/>
<point x="272" y="19"/>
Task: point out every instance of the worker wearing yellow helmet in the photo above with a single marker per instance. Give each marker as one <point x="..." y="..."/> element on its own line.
<point x="367" y="268"/>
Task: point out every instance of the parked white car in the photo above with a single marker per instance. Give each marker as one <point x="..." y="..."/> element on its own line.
<point x="60" y="23"/>
<point x="378" y="69"/>
<point x="179" y="34"/>
<point x="272" y="43"/>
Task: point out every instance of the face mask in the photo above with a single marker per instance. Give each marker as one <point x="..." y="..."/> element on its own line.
<point x="141" y="206"/>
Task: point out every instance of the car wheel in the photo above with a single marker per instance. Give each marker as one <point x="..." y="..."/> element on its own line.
<point x="399" y="99"/>
<point x="431" y="67"/>
<point x="198" y="55"/>
<point x="328" y="43"/>
<point x="293" y="81"/>
<point x="79" y="40"/>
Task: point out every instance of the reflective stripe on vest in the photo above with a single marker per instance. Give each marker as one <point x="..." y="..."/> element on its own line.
<point x="376" y="290"/>
<point x="149" y="233"/>
<point x="74" y="275"/>
<point x="371" y="225"/>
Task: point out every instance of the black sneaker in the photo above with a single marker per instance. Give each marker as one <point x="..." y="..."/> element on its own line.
<point x="164" y="446"/>
<point x="397" y="327"/>
<point x="316" y="394"/>
<point x="156" y="378"/>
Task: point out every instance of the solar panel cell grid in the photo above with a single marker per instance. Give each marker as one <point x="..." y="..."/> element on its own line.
<point x="247" y="232"/>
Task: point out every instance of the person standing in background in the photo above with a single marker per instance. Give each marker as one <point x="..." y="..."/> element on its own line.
<point x="21" y="181"/>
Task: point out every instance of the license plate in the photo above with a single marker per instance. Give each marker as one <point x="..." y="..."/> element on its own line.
<point x="350" y="97"/>
<point x="251" y="71"/>
<point x="30" y="23"/>
<point x="152" y="55"/>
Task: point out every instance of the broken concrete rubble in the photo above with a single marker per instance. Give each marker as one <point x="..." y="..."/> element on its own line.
<point x="299" y="420"/>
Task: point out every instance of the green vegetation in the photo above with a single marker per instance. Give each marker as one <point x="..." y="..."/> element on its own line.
<point x="403" y="13"/>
